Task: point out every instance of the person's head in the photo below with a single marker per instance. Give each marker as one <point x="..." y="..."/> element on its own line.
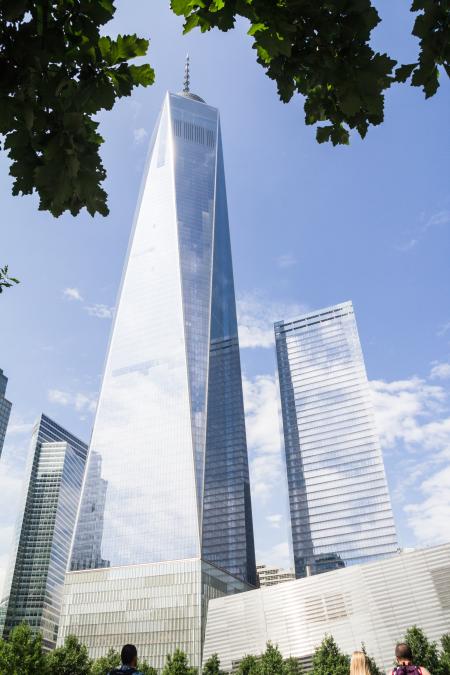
<point x="128" y="655"/>
<point x="403" y="653"/>
<point x="358" y="664"/>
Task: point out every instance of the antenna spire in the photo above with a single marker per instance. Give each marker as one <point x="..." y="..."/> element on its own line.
<point x="186" y="76"/>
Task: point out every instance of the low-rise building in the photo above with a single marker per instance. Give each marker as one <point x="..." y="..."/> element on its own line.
<point x="374" y="603"/>
<point x="271" y="576"/>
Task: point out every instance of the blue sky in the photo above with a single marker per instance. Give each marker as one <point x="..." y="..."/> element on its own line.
<point x="311" y="226"/>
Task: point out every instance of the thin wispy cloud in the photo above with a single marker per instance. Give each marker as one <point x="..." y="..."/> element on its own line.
<point x="73" y="294"/>
<point x="277" y="555"/>
<point x="140" y="135"/>
<point x="256" y="316"/>
<point x="19" y="425"/>
<point x="440" y="218"/>
<point x="97" y="310"/>
<point x="444" y="329"/>
<point x="440" y="371"/>
<point x="100" y="311"/>
<point x="275" y="520"/>
<point x="286" y="260"/>
<point x="81" y="401"/>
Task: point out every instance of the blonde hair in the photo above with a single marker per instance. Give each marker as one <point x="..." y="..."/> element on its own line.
<point x="358" y="664"/>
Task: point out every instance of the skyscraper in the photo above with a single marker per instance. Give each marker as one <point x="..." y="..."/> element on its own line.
<point x="176" y="522"/>
<point x="44" y="530"/>
<point x="5" y="409"/>
<point x="339" y="500"/>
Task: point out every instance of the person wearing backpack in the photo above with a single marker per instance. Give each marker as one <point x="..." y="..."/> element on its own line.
<point x="128" y="656"/>
<point x="405" y="665"/>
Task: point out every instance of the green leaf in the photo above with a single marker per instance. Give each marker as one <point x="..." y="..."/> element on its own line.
<point x="323" y="134"/>
<point x="256" y="28"/>
<point x="14" y="9"/>
<point x="142" y="75"/>
<point x="404" y="72"/>
<point x="351" y="104"/>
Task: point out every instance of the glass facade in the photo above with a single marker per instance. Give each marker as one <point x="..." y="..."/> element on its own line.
<point x="5" y="409"/>
<point x="339" y="501"/>
<point x="157" y="607"/>
<point x="167" y="476"/>
<point x="44" y="530"/>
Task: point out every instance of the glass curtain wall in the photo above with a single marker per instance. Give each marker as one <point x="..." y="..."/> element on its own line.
<point x="339" y="501"/>
<point x="44" y="530"/>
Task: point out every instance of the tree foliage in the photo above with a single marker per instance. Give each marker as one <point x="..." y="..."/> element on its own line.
<point x="104" y="664"/>
<point x="212" y="666"/>
<point x="425" y="653"/>
<point x="445" y="654"/>
<point x="146" y="669"/>
<point x="178" y="664"/>
<point x="328" y="658"/>
<point x="292" y="666"/>
<point x="248" y="665"/>
<point x="70" y="659"/>
<point x="56" y="73"/>
<point x="321" y="49"/>
<point x="271" y="661"/>
<point x="22" y="653"/>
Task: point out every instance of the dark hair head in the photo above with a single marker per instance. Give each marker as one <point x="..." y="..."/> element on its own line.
<point x="128" y="654"/>
<point x="403" y="652"/>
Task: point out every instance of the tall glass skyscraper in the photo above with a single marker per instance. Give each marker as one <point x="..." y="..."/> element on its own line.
<point x="165" y="519"/>
<point x="44" y="530"/>
<point x="5" y="409"/>
<point x="339" y="501"/>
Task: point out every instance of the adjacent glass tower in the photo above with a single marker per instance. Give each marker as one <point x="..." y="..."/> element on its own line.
<point x="339" y="501"/>
<point x="5" y="409"/>
<point x="166" y="496"/>
<point x="44" y="531"/>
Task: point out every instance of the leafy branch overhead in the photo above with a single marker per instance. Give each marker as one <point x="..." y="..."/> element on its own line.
<point x="321" y="49"/>
<point x="56" y="72"/>
<point x="6" y="281"/>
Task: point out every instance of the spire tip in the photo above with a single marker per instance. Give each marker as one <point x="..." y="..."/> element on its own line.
<point x="186" y="76"/>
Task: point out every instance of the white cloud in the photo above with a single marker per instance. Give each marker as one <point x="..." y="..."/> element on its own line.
<point x="11" y="483"/>
<point x="406" y="411"/>
<point x="263" y="435"/>
<point x="275" y="520"/>
<point x="430" y="517"/>
<point x="440" y="371"/>
<point x="80" y="401"/>
<point x="140" y="135"/>
<point x="286" y="260"/>
<point x="413" y="418"/>
<point x="277" y="555"/>
<point x="439" y="218"/>
<point x="256" y="316"/>
<point x="72" y="294"/>
<point x="18" y="425"/>
<point x="100" y="311"/>
<point x="408" y="245"/>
